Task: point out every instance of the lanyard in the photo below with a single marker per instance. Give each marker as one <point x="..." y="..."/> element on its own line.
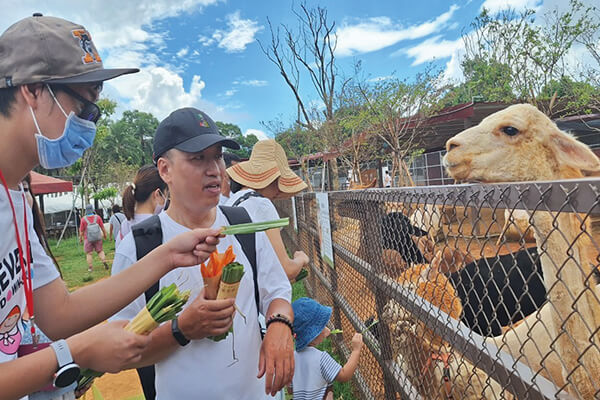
<point x="25" y="268"/>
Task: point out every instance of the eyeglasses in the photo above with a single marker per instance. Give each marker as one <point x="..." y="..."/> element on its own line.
<point x="90" y="111"/>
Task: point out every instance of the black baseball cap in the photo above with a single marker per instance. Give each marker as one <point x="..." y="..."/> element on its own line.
<point x="51" y="50"/>
<point x="190" y="130"/>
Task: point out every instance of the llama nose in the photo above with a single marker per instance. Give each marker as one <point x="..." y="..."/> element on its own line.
<point x="451" y="144"/>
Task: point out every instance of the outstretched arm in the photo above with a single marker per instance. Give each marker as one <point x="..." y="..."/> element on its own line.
<point x="61" y="314"/>
<point x="291" y="266"/>
<point x="349" y="368"/>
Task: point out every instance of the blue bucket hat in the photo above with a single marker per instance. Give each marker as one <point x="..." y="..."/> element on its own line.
<point x="89" y="209"/>
<point x="310" y="318"/>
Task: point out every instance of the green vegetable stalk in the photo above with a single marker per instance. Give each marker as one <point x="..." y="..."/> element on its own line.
<point x="252" y="227"/>
<point x="230" y="282"/>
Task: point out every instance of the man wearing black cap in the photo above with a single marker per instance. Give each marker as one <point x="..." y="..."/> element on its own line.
<point x="50" y="78"/>
<point x="187" y="151"/>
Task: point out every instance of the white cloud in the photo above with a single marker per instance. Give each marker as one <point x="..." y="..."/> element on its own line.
<point x="495" y="6"/>
<point x="239" y="33"/>
<point x="432" y="49"/>
<point x="380" y="32"/>
<point x="109" y="29"/>
<point x="230" y="92"/>
<point x="132" y="37"/>
<point x="453" y="72"/>
<point x="251" y="82"/>
<point x="258" y="133"/>
<point x="183" y="52"/>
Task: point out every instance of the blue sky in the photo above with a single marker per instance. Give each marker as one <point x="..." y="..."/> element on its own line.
<point x="204" y="53"/>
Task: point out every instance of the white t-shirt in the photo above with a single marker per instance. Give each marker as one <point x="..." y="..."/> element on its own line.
<point x="126" y="226"/>
<point x="202" y="368"/>
<point x="12" y="291"/>
<point x="260" y="209"/>
<point x="116" y="220"/>
<point x="314" y="372"/>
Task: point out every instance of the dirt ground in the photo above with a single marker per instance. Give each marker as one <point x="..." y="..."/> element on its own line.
<point x="122" y="386"/>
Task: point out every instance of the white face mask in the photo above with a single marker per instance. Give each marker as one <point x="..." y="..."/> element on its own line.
<point x="159" y="207"/>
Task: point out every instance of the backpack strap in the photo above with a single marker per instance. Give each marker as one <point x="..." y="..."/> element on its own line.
<point x="239" y="215"/>
<point x="147" y="236"/>
<point x="245" y="197"/>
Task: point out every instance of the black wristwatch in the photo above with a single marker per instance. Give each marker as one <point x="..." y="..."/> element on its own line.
<point x="182" y="340"/>
<point x="68" y="371"/>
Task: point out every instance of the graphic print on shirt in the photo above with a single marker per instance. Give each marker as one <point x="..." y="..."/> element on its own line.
<point x="10" y="336"/>
<point x="11" y="298"/>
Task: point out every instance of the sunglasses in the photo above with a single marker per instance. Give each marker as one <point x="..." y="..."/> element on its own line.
<point x="90" y="111"/>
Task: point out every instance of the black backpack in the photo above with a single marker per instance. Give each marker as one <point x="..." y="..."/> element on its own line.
<point x="148" y="235"/>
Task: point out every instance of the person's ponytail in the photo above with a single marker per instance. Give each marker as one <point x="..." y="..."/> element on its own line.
<point x="129" y="202"/>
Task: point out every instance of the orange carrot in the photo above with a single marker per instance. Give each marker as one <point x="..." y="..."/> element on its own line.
<point x="211" y="272"/>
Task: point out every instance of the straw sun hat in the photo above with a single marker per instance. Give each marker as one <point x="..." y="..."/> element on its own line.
<point x="267" y="163"/>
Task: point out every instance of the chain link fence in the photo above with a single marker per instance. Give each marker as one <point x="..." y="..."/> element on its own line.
<point x="482" y="291"/>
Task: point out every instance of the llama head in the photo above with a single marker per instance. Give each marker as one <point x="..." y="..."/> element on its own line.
<point x="518" y="143"/>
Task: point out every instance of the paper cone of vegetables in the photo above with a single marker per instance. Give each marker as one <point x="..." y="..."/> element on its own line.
<point x="211" y="272"/>
<point x="222" y="277"/>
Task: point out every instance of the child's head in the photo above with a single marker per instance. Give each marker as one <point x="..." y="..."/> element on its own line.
<point x="310" y="320"/>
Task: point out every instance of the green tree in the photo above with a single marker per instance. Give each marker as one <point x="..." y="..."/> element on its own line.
<point x="234" y="132"/>
<point x="487" y="80"/>
<point x="130" y="138"/>
<point x="526" y="52"/>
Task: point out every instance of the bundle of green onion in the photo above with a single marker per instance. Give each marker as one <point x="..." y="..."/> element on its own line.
<point x="252" y="227"/>
<point x="231" y="277"/>
<point x="163" y="306"/>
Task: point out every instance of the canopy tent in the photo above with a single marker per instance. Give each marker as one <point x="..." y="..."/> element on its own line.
<point x="67" y="201"/>
<point x="42" y="184"/>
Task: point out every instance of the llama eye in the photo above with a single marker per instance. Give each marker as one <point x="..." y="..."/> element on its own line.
<point x="510" y="130"/>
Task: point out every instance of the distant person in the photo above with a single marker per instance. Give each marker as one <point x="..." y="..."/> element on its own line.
<point x="387" y="180"/>
<point x="92" y="233"/>
<point x="144" y="197"/>
<point x="115" y="221"/>
<point x="229" y="159"/>
<point x="316" y="370"/>
<point x="266" y="176"/>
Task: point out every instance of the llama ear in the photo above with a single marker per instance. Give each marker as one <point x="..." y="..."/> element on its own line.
<point x="571" y="152"/>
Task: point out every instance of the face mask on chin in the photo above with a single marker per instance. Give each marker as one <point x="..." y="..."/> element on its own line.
<point x="78" y="135"/>
<point x="159" y="207"/>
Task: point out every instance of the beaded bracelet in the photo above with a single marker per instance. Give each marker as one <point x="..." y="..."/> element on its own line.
<point x="281" y="318"/>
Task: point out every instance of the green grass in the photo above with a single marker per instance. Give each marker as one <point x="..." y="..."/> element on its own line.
<point x="71" y="260"/>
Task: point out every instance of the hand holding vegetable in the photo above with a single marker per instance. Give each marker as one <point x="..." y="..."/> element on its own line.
<point x="357" y="342"/>
<point x="162" y="307"/>
<point x="300" y="255"/>
<point x="191" y="248"/>
<point x="222" y="277"/>
<point x="108" y="347"/>
<point x="203" y="317"/>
